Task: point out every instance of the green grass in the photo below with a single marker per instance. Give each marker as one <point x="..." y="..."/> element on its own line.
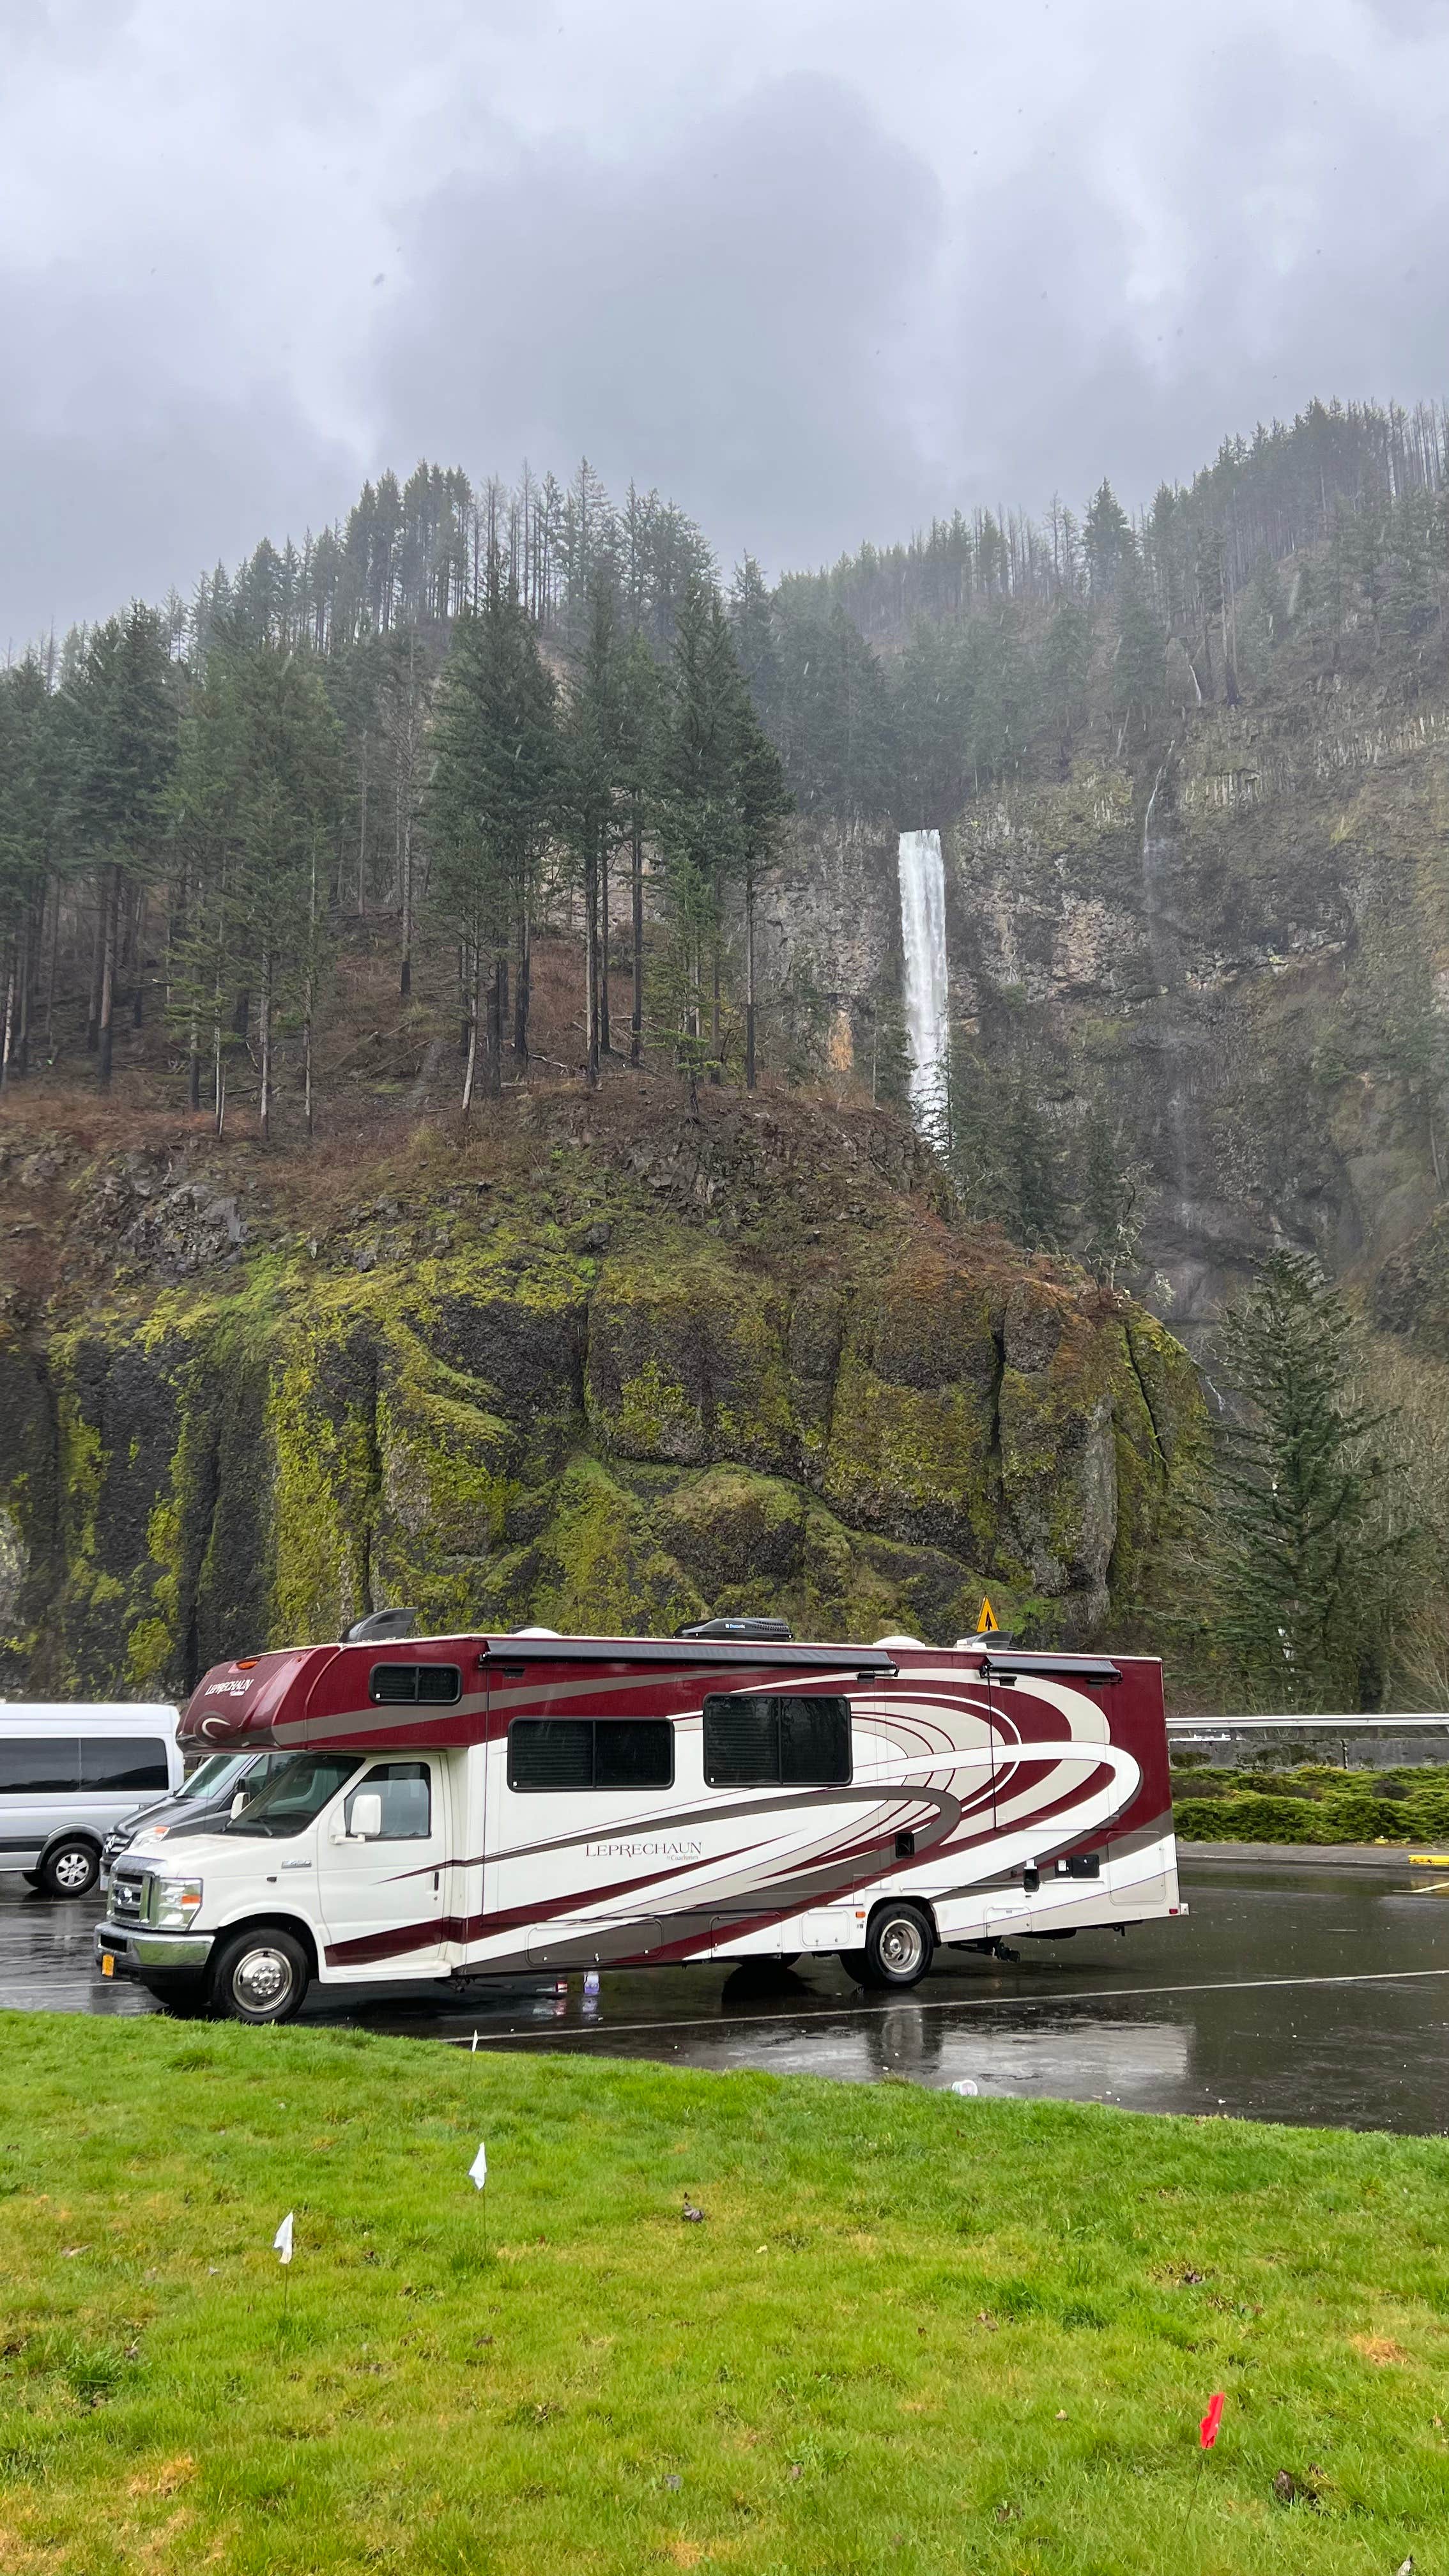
<point x="914" y="2333"/>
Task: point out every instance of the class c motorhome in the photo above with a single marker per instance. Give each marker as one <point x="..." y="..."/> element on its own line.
<point x="473" y="1806"/>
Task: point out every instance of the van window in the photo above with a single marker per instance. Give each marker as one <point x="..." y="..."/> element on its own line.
<point x="405" y="1685"/>
<point x="295" y="1795"/>
<point x="590" y="1753"/>
<point x="770" y="1742"/>
<point x="39" y="1766"/>
<point x="407" y="1805"/>
<point x="119" y="1762"/>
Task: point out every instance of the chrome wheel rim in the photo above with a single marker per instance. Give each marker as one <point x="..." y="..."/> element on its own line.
<point x="901" y="1945"/>
<point x="262" y="1979"/>
<point x="73" y="1871"/>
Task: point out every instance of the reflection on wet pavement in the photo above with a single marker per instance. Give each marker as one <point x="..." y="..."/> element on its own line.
<point x="1286" y="1995"/>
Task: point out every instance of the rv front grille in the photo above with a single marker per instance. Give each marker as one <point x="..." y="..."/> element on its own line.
<point x="126" y="1887"/>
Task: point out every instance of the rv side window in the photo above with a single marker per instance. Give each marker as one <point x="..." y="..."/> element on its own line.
<point x="407" y="1805"/>
<point x="119" y="1762"/>
<point x="39" y="1766"/>
<point x="590" y="1753"/>
<point x="432" y="1685"/>
<point x="791" y="1743"/>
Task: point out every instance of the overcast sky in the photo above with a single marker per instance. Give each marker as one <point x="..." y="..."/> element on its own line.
<point x="817" y="268"/>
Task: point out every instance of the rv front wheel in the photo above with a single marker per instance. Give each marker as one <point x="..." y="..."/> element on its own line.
<point x="261" y="1976"/>
<point x="898" y="1946"/>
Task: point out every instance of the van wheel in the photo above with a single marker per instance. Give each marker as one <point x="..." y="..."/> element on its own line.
<point x="899" y="1944"/>
<point x="261" y="1976"/>
<point x="70" y="1868"/>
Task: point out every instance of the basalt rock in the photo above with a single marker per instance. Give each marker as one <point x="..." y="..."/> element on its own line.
<point x="580" y="1405"/>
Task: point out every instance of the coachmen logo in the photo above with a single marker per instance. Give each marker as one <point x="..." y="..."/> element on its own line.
<point x="227" y="1690"/>
<point x="643" y="1851"/>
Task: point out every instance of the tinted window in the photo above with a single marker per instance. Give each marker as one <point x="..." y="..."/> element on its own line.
<point x="39" y="1767"/>
<point x="123" y="1762"/>
<point x="399" y="1685"/>
<point x="795" y="1743"/>
<point x="406" y="1794"/>
<point x="295" y="1795"/>
<point x="213" y="1775"/>
<point x="590" y="1753"/>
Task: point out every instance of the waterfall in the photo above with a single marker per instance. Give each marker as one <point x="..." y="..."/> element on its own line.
<point x="1158" y="854"/>
<point x="923" y="940"/>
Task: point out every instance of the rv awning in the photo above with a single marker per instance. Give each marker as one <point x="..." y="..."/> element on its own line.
<point x="1004" y="1667"/>
<point x="686" y="1653"/>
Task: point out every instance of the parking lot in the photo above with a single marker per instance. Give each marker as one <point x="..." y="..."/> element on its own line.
<point x="1289" y="1994"/>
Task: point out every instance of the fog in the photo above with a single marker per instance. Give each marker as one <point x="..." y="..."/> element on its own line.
<point x="815" y="270"/>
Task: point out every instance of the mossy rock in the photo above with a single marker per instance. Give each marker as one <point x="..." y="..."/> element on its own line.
<point x="864" y="1438"/>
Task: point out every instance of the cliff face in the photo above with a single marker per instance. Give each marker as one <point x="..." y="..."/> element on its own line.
<point x="1231" y="943"/>
<point x="610" y="1370"/>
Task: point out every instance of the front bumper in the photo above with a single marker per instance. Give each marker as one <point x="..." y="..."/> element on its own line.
<point x="133" y="1951"/>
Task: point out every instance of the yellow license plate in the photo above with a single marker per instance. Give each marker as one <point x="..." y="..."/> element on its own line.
<point x="108" y="1965"/>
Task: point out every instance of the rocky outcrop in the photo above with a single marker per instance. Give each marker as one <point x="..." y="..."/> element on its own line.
<point x="657" y="1384"/>
<point x="1229" y="942"/>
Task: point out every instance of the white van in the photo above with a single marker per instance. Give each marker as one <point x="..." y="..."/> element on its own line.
<point x="68" y="1772"/>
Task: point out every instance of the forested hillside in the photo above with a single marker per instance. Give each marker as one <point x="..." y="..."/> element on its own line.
<point x="468" y="721"/>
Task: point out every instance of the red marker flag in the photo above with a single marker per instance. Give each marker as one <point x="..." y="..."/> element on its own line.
<point x="1208" y="2429"/>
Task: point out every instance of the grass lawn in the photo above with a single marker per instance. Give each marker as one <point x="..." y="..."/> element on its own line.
<point x="912" y="2333"/>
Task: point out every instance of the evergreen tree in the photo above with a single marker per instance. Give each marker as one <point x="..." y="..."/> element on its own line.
<point x="1140" y="665"/>
<point x="1107" y="542"/>
<point x="699" y="823"/>
<point x="588" y="789"/>
<point x="1307" y="1557"/>
<point x="125" y="711"/>
<point x="639" y="721"/>
<point x="1112" y="1208"/>
<point x="492" y="798"/>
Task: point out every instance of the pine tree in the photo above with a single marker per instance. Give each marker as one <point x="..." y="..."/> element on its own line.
<point x="588" y="790"/>
<point x="1307" y="1557"/>
<point x="125" y="710"/>
<point x="491" y="802"/>
<point x="639" y="716"/>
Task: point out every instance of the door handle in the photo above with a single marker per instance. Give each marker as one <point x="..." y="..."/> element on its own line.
<point x="436" y="1875"/>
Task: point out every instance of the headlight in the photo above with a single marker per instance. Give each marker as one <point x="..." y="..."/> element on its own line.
<point x="174" y="1902"/>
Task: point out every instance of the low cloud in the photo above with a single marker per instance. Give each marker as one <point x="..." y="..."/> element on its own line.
<point x="737" y="317"/>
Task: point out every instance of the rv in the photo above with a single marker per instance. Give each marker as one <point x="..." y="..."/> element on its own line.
<point x="457" y="1808"/>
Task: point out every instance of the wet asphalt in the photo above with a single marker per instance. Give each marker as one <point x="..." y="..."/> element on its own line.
<point x="1299" y="1994"/>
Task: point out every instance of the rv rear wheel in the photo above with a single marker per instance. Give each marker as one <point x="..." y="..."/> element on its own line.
<point x="898" y="1946"/>
<point x="260" y="1976"/>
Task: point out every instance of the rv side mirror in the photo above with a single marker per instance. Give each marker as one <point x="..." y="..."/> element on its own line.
<point x="238" y="1802"/>
<point x="366" y="1820"/>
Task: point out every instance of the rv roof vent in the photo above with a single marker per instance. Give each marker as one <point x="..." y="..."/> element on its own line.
<point x="750" y="1632"/>
<point x="899" y="1641"/>
<point x="535" y="1632"/>
<point x="380" y="1624"/>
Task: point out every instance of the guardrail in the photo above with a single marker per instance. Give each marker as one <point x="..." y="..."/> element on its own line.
<point x="1386" y="1741"/>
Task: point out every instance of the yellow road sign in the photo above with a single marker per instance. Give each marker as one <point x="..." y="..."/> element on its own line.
<point x="988" y="1622"/>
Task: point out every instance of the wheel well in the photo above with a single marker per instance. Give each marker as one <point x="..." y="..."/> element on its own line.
<point x="70" y="1834"/>
<point x="270" y="1923"/>
<point x="921" y="1904"/>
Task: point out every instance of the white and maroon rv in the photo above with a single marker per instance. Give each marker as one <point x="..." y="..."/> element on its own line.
<point x="465" y="1807"/>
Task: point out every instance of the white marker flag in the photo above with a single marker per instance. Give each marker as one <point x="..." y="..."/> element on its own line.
<point x="282" y="2241"/>
<point x="478" y="2169"/>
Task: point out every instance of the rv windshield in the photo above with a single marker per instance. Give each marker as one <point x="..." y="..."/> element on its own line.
<point x="296" y="1795"/>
